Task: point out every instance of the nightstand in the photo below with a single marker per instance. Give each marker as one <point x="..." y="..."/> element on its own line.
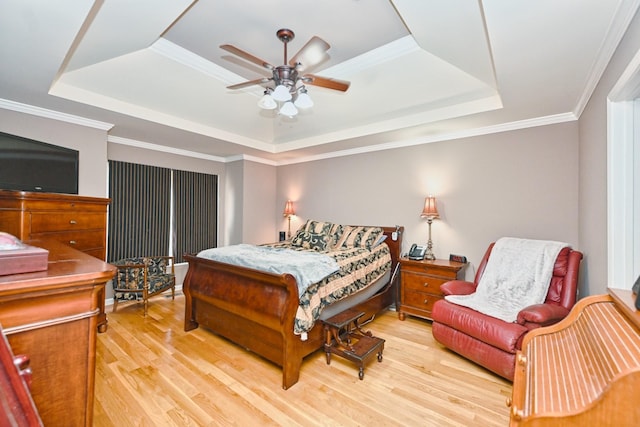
<point x="420" y="284"/>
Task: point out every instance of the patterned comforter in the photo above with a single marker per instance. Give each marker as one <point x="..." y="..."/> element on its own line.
<point x="359" y="267"/>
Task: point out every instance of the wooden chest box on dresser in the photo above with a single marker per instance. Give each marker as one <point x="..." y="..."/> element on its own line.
<point x="420" y="282"/>
<point x="77" y="221"/>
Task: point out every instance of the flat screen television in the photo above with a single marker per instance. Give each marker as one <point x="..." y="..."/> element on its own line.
<point x="29" y="165"/>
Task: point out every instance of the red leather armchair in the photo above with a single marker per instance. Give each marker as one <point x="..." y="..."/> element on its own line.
<point x="491" y="342"/>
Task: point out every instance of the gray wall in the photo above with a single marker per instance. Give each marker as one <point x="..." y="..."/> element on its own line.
<point x="90" y="142"/>
<point x="250" y="202"/>
<point x="593" y="166"/>
<point x="521" y="183"/>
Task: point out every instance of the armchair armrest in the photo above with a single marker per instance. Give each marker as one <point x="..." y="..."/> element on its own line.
<point x="458" y="287"/>
<point x="541" y="315"/>
<point x="130" y="275"/>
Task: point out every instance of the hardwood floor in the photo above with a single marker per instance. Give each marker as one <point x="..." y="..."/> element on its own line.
<point x="149" y="372"/>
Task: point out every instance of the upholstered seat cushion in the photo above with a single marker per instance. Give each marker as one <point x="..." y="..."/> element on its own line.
<point x="159" y="281"/>
<point x="495" y="332"/>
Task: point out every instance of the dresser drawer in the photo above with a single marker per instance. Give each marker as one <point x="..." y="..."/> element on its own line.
<point x="65" y="221"/>
<point x="420" y="300"/>
<point x="422" y="283"/>
<point x="80" y="240"/>
<point x="65" y="203"/>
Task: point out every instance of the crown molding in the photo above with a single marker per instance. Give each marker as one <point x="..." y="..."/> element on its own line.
<point x="189" y="59"/>
<point x="54" y="115"/>
<point x="163" y="148"/>
<point x="487" y="130"/>
<point x="619" y="25"/>
<point x="242" y="157"/>
<point x="385" y="53"/>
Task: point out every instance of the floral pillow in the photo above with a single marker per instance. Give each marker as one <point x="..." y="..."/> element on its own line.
<point x="313" y="235"/>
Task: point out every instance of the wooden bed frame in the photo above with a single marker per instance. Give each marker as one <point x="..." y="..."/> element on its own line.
<point x="256" y="309"/>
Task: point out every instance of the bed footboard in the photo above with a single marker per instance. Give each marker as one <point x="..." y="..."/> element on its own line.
<point x="257" y="309"/>
<point x="251" y="308"/>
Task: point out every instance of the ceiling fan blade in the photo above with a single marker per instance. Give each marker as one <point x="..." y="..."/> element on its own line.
<point x="335" y="84"/>
<point x="312" y="53"/>
<point x="250" y="83"/>
<point x="247" y="56"/>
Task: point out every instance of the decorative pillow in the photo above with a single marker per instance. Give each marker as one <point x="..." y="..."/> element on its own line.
<point x="156" y="266"/>
<point x="359" y="237"/>
<point x="334" y="235"/>
<point x="379" y="241"/>
<point x="314" y="235"/>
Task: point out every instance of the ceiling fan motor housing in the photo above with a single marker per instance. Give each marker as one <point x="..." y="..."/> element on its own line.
<point x="286" y="76"/>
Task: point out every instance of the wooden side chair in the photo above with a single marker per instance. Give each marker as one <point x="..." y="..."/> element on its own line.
<point x="143" y="277"/>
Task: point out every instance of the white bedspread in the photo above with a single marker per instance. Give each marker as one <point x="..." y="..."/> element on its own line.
<point x="516" y="276"/>
<point x="306" y="267"/>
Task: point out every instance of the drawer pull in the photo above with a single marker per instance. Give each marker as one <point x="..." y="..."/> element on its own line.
<point x="72" y="242"/>
<point x="425" y="284"/>
<point x="426" y="301"/>
<point x="73" y="221"/>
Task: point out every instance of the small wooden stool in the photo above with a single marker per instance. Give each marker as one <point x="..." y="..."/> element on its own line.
<point x="345" y="338"/>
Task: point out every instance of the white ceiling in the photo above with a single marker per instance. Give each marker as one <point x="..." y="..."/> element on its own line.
<point x="153" y="71"/>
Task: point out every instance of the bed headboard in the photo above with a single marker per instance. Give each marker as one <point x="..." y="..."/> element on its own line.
<point x="394" y="245"/>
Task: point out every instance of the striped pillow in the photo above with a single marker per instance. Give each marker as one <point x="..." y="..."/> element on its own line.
<point x="359" y="237"/>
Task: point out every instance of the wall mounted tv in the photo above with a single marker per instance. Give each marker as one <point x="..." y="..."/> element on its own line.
<point x="29" y="165"/>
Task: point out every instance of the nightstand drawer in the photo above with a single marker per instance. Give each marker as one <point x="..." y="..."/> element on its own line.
<point x="422" y="283"/>
<point x="420" y="300"/>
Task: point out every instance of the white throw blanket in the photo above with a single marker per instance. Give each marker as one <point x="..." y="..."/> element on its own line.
<point x="516" y="276"/>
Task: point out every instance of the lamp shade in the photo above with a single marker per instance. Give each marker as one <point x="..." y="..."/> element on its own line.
<point x="430" y="208"/>
<point x="288" y="209"/>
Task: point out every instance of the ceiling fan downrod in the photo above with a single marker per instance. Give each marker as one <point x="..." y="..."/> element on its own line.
<point x="285" y="35"/>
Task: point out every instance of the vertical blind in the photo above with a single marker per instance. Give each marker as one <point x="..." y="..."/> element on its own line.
<point x="140" y="213"/>
<point x="195" y="208"/>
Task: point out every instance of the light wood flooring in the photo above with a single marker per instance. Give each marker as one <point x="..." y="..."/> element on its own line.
<point x="149" y="372"/>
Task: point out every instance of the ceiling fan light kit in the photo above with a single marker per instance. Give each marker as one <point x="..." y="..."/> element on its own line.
<point x="267" y="102"/>
<point x="288" y="92"/>
<point x="288" y="109"/>
<point x="282" y="93"/>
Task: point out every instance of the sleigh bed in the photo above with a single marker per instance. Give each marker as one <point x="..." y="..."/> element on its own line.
<point x="258" y="309"/>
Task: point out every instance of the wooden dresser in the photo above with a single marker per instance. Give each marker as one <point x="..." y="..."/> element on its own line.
<point x="420" y="284"/>
<point x="77" y="221"/>
<point x="584" y="370"/>
<point x="52" y="316"/>
<point x="16" y="405"/>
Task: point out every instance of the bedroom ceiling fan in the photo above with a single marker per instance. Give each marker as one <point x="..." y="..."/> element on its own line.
<point x="289" y="92"/>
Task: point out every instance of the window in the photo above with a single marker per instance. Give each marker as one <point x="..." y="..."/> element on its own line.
<point x="159" y="211"/>
<point x="195" y="212"/>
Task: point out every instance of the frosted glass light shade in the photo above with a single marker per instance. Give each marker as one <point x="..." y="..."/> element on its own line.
<point x="281" y="93"/>
<point x="267" y="102"/>
<point x="303" y="101"/>
<point x="288" y="109"/>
